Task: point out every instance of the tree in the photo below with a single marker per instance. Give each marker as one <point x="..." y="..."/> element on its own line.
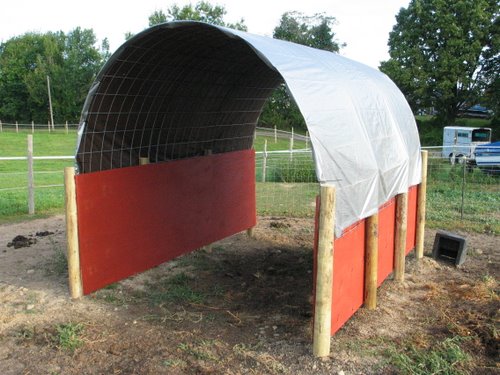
<point x="72" y="62"/>
<point x="312" y="31"/>
<point x="439" y="51"/>
<point x="202" y="11"/>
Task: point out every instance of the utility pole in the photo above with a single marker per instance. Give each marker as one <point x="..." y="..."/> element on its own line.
<point x="50" y="103"/>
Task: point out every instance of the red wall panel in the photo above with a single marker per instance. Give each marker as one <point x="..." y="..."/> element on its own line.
<point x="132" y="219"/>
<point x="348" y="274"/>
<point x="349" y="257"/>
<point x="412" y="219"/>
<point x="386" y="233"/>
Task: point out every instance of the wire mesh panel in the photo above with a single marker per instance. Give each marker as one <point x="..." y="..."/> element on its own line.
<point x="171" y="94"/>
<point x="286" y="183"/>
<point x="462" y="194"/>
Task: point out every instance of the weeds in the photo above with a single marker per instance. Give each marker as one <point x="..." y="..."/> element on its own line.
<point x="201" y="351"/>
<point x="69" y="336"/>
<point x="58" y="264"/>
<point x="446" y="357"/>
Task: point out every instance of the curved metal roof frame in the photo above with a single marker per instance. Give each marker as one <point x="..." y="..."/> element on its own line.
<point x="186" y="88"/>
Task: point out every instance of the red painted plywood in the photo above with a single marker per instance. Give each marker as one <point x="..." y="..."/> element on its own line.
<point x="387" y="225"/>
<point x="348" y="274"/>
<point x="412" y="219"/>
<point x="132" y="219"/>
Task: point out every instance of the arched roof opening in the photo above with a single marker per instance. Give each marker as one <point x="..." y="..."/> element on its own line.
<point x="185" y="89"/>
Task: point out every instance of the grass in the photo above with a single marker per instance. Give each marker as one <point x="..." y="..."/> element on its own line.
<point x="445" y="357"/>
<point x="174" y="289"/>
<point x="13" y="174"/>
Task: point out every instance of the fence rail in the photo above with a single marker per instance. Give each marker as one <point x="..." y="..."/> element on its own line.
<point x="32" y="127"/>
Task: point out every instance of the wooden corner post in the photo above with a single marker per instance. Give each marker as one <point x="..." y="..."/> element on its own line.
<point x="324" y="273"/>
<point x="400" y="237"/>
<point x="421" y="202"/>
<point x="371" y="266"/>
<point x="74" y="273"/>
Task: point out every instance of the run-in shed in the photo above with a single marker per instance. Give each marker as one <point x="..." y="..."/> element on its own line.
<point x="184" y="98"/>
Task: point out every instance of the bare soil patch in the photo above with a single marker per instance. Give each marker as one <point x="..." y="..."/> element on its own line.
<point x="244" y="307"/>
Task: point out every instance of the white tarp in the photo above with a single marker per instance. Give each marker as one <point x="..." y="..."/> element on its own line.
<point x="364" y="136"/>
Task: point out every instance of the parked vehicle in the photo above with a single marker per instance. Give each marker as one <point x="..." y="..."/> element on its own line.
<point x="460" y="141"/>
<point x="487" y="157"/>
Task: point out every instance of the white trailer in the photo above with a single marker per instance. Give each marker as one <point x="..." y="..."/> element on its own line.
<point x="460" y="141"/>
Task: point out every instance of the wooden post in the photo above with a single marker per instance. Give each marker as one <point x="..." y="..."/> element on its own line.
<point x="291" y="148"/>
<point x="143" y="160"/>
<point x="264" y="161"/>
<point x="275" y="134"/>
<point x="251" y="232"/>
<point x="307" y="140"/>
<point x="66" y="127"/>
<point x="422" y="199"/>
<point x="74" y="272"/>
<point x="50" y="103"/>
<point x="32" y="127"/>
<point x="48" y="125"/>
<point x="1" y="127"/>
<point x="371" y="267"/>
<point x="17" y="127"/>
<point x="31" y="190"/>
<point x="324" y="273"/>
<point x="400" y="240"/>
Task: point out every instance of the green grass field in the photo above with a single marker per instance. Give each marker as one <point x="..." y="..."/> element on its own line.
<point x="13" y="174"/>
<point x="289" y="190"/>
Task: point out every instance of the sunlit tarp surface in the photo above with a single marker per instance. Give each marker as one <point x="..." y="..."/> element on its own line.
<point x="183" y="89"/>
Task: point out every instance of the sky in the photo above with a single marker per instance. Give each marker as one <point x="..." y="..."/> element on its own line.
<point x="364" y="25"/>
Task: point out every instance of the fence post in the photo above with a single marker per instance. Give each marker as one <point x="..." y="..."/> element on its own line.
<point x="31" y="184"/>
<point x="291" y="148"/>
<point x="464" y="165"/>
<point x="17" y="127"/>
<point x="371" y="266"/>
<point x="324" y="273"/>
<point x="275" y="134"/>
<point x="400" y="240"/>
<point x="1" y="127"/>
<point x="74" y="272"/>
<point x="422" y="199"/>
<point x="66" y="127"/>
<point x="32" y="126"/>
<point x="48" y="125"/>
<point x="264" y="161"/>
<point x="307" y="140"/>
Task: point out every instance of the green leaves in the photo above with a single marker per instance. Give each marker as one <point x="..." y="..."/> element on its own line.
<point x="203" y="11"/>
<point x="71" y="60"/>
<point x="439" y="50"/>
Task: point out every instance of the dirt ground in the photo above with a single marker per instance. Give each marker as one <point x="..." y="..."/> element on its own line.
<point x="242" y="307"/>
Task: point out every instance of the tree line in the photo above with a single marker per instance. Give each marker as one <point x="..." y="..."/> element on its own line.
<point x="444" y="54"/>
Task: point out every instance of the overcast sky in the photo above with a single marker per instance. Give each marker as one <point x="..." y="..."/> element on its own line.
<point x="363" y="24"/>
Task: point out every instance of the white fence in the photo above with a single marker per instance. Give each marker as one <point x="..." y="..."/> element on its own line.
<point x="32" y="127"/>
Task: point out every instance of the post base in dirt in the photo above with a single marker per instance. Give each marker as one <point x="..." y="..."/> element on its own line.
<point x="371" y="266"/>
<point x="421" y="203"/>
<point x="400" y="240"/>
<point x="74" y="272"/>
<point x="251" y="232"/>
<point x="324" y="273"/>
